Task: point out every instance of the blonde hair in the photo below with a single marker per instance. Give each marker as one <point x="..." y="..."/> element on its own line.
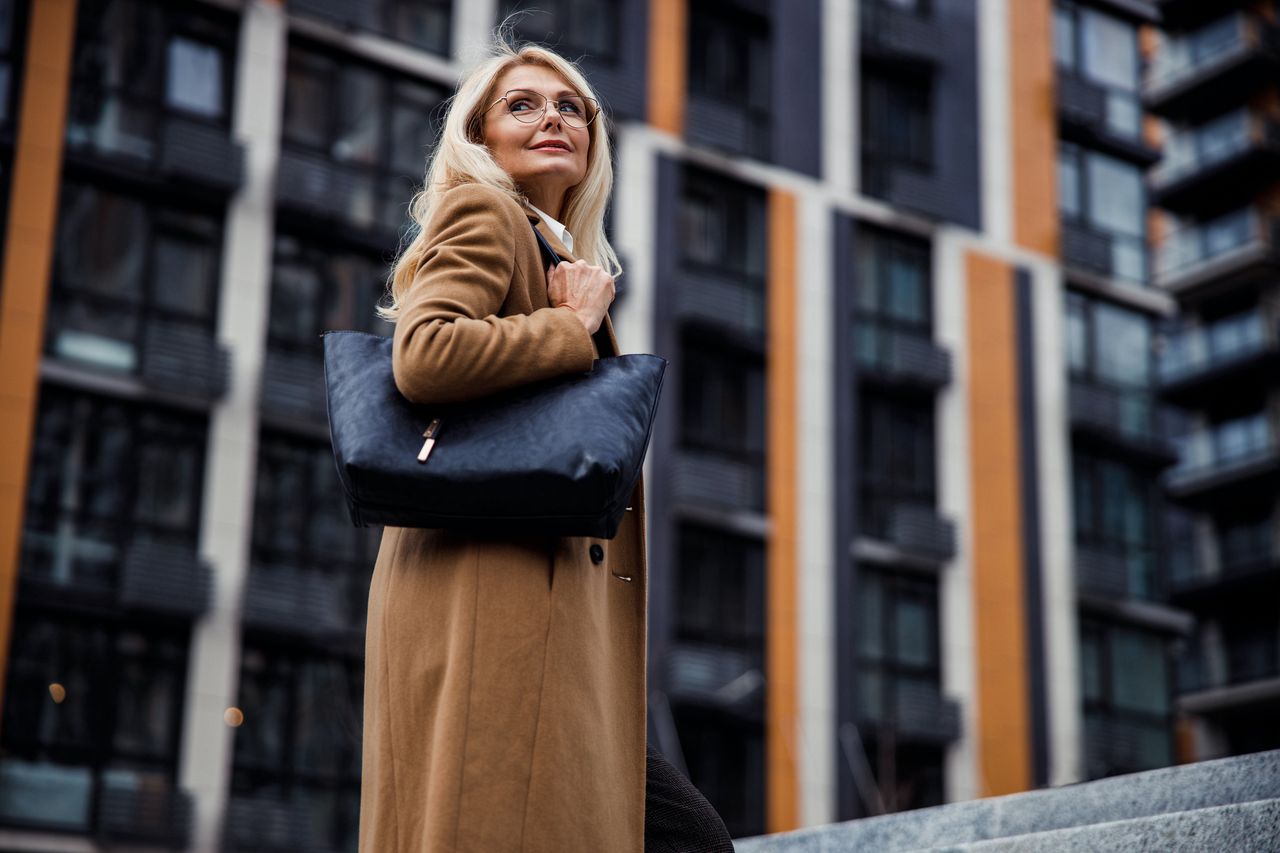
<point x="461" y="157"/>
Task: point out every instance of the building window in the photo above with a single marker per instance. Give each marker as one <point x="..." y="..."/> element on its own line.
<point x="1127" y="699"/>
<point x="1115" y="513"/>
<point x="315" y="288"/>
<point x="124" y="267"/>
<point x="897" y="126"/>
<point x="723" y="227"/>
<point x="720" y="589"/>
<point x="1104" y="50"/>
<point x="898" y="653"/>
<point x="725" y="756"/>
<point x="723" y="400"/>
<point x="1111" y="347"/>
<point x="730" y="56"/>
<point x="297" y="752"/>
<point x="104" y="474"/>
<point x="896" y="446"/>
<point x="893" y="297"/>
<point x="423" y="24"/>
<point x="372" y="128"/>
<point x="92" y="707"/>
<point x="573" y="28"/>
<point x="300" y="523"/>
<point x="138" y="62"/>
<point x="1106" y="196"/>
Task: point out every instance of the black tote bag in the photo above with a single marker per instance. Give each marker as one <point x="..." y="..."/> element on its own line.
<point x="554" y="458"/>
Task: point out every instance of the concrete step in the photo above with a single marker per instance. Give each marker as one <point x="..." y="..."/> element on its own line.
<point x="1170" y="790"/>
<point x="1239" y="828"/>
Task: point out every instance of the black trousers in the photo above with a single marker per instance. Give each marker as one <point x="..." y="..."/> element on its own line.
<point x="677" y="818"/>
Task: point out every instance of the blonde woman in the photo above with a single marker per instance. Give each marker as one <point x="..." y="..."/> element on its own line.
<point x="505" y="676"/>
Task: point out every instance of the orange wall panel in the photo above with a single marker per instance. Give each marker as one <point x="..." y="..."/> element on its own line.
<point x="781" y="623"/>
<point x="1004" y="713"/>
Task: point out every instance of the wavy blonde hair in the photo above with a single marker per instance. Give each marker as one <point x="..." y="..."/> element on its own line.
<point x="461" y="157"/>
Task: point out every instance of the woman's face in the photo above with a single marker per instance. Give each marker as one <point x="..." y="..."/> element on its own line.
<point x="543" y="171"/>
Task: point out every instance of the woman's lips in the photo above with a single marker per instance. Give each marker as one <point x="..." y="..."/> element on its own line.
<point x="559" y="148"/>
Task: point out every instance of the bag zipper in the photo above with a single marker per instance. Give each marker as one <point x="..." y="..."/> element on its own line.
<point x="430" y="436"/>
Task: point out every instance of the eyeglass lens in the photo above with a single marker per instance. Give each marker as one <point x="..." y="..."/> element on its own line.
<point x="530" y="106"/>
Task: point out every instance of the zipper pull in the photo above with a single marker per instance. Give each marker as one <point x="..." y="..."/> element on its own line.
<point x="430" y="436"/>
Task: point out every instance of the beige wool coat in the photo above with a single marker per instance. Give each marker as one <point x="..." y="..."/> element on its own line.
<point x="504" y="701"/>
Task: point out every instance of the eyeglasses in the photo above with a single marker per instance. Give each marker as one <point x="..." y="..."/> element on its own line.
<point x="528" y="106"/>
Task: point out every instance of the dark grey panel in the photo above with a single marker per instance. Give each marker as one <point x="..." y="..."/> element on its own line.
<point x="844" y="378"/>
<point x="662" y="446"/>
<point x="725" y="127"/>
<point x="921" y="530"/>
<point x="922" y="714"/>
<point x="953" y="189"/>
<point x="711" y="480"/>
<point x="797" y="85"/>
<point x="293" y="601"/>
<point x="1029" y="465"/>
<point x="622" y="83"/>
<point x="267" y="823"/>
<point x="1086" y="250"/>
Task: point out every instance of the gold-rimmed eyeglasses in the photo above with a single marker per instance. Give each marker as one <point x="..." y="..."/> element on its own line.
<point x="529" y="106"/>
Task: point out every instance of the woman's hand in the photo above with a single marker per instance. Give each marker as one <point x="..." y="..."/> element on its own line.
<point x="585" y="288"/>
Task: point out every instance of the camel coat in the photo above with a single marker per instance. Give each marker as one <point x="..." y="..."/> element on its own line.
<point x="504" y="703"/>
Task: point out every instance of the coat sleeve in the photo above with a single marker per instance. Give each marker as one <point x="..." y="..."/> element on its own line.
<point x="449" y="344"/>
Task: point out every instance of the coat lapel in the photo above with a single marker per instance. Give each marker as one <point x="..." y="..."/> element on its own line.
<point x="606" y="328"/>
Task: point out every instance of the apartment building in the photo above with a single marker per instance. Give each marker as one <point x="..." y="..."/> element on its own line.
<point x="915" y="490"/>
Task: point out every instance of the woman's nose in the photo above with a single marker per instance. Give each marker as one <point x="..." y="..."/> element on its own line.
<point x="549" y="115"/>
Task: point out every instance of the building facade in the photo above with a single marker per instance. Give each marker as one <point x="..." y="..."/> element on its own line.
<point x="947" y="496"/>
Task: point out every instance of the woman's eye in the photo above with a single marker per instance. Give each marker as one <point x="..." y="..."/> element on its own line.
<point x="521" y="105"/>
<point x="571" y="109"/>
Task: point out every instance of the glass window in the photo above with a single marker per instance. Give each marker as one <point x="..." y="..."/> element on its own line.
<point x="1139" y="672"/>
<point x="83" y="695"/>
<point x="1116" y="198"/>
<point x="317" y="287"/>
<point x="572" y="27"/>
<point x="194" y="82"/>
<point x="1110" y="48"/>
<point x="720" y="587"/>
<point x="1123" y="341"/>
<point x="730" y="55"/>
<point x="1064" y="36"/>
<point x="1069" y="181"/>
<point x="103" y="474"/>
<point x="894" y="280"/>
<point x="897" y="122"/>
<point x="123" y="266"/>
<point x="896" y="457"/>
<point x="722" y="399"/>
<point x="722" y="225"/>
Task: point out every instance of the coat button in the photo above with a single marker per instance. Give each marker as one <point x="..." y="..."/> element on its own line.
<point x="597" y="554"/>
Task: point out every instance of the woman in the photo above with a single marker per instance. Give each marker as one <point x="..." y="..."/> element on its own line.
<point x="505" y="676"/>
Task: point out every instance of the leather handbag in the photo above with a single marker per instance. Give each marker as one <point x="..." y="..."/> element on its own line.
<point x="553" y="458"/>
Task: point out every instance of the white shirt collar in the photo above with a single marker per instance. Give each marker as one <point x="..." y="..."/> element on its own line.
<point x="557" y="228"/>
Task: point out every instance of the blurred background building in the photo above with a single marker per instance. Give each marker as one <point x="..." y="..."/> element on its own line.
<point x="965" y="480"/>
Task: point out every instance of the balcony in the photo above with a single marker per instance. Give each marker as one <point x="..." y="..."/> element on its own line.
<point x="1233" y="54"/>
<point x="1128" y="419"/>
<point x="1208" y="684"/>
<point x="704" y="478"/>
<point x="1205" y="363"/>
<point x="917" y="712"/>
<point x="1106" y="573"/>
<point x="119" y="132"/>
<point x="1113" y="743"/>
<point x="892" y="33"/>
<point x="1236" y="568"/>
<point x="1219" y="164"/>
<point x="1101" y="254"/>
<point x="270" y="824"/>
<point x="184" y="360"/>
<point x="162" y="577"/>
<point x="310" y="604"/>
<point x="717" y="676"/>
<point x="131" y="812"/>
<point x="1102" y="117"/>
<point x="324" y="189"/>
<point x="915" y="531"/>
<point x="1241" y="457"/>
<point x="733" y="303"/>
<point x="293" y="389"/>
<point x="1237" y="248"/>
<point x="896" y="357"/>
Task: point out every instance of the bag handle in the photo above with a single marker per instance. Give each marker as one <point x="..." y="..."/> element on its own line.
<point x="601" y="337"/>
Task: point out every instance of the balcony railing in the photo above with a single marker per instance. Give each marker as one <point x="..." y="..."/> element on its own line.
<point x="1233" y="561"/>
<point x="305" y="603"/>
<point x="917" y="711"/>
<point x="1207" y="53"/>
<point x="892" y="31"/>
<point x="1220" y="248"/>
<point x="899" y="356"/>
<point x="731" y="301"/>
<point x="705" y="478"/>
<point x="1240" y="141"/>
<point x="1127" y="416"/>
<point x="1109" y="573"/>
<point x="165" y="578"/>
<point x="1103" y="109"/>
<point x="714" y="675"/>
<point x="1227" y="453"/>
<point x="1197" y="352"/>
<point x="916" y="528"/>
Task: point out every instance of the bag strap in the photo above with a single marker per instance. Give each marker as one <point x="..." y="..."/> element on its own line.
<point x="601" y="337"/>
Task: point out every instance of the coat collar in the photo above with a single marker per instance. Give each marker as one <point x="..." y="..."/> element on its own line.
<point x="543" y="229"/>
